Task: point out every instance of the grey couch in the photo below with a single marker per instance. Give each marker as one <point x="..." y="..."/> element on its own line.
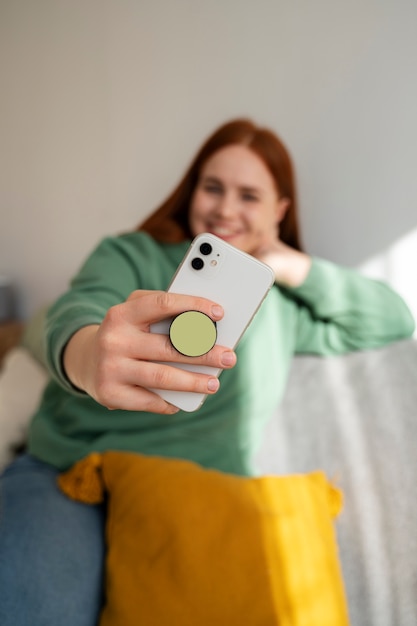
<point x="356" y="417"/>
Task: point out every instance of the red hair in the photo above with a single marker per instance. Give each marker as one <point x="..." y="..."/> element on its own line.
<point x="169" y="223"/>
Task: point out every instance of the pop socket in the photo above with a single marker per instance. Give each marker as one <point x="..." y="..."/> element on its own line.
<point x="193" y="333"/>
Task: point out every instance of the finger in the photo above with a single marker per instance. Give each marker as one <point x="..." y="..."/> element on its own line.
<point x="136" y="398"/>
<point x="156" y="347"/>
<point x="152" y="306"/>
<point x="159" y="376"/>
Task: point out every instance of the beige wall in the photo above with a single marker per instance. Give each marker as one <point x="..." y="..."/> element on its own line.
<point x="104" y="101"/>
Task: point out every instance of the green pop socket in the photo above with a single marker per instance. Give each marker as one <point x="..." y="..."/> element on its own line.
<point x="193" y="333"/>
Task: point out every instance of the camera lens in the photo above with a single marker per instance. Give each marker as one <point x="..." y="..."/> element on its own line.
<point x="197" y="263"/>
<point x="205" y="248"/>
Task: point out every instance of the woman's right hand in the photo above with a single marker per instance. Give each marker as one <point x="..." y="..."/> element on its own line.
<point x="114" y="362"/>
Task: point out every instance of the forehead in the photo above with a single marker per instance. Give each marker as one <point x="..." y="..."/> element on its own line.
<point x="238" y="165"/>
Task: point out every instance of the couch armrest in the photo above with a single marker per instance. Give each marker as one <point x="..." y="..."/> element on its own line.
<point x="355" y="417"/>
<point x="22" y="381"/>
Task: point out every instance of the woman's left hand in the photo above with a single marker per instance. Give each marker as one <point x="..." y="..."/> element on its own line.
<point x="290" y="266"/>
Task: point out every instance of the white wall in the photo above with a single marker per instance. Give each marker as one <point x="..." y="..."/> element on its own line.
<point x="104" y="102"/>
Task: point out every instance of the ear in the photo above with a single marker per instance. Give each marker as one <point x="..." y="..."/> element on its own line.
<point x="281" y="208"/>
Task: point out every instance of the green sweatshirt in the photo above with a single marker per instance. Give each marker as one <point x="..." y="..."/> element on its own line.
<point x="335" y="310"/>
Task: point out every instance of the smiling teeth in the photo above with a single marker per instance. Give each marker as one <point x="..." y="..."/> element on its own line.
<point x="223" y="232"/>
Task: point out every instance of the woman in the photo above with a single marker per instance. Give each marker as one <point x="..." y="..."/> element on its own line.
<point x="101" y="356"/>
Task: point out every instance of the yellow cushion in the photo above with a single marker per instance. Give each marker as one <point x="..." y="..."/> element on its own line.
<point x="189" y="546"/>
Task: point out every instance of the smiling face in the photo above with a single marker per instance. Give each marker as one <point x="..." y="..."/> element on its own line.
<point x="236" y="198"/>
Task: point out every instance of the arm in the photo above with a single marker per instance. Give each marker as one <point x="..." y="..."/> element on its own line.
<point x="98" y="339"/>
<point x="341" y="310"/>
<point x="338" y="309"/>
<point x="114" y="362"/>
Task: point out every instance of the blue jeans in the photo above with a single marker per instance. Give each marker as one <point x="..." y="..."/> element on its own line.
<point x="52" y="551"/>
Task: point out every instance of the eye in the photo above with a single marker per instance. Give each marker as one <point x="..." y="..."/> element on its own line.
<point x="211" y="188"/>
<point x="249" y="197"/>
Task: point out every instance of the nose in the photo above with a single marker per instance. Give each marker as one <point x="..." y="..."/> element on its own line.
<point x="227" y="206"/>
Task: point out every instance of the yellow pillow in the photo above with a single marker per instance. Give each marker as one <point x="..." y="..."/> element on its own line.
<point x="189" y="546"/>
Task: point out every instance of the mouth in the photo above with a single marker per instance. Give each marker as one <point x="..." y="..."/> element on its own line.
<point x="223" y="232"/>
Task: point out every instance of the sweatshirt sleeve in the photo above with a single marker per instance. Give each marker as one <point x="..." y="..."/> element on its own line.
<point x="340" y="310"/>
<point x="106" y="278"/>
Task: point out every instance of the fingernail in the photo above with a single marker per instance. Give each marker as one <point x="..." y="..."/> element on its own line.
<point x="228" y="358"/>
<point x="216" y="310"/>
<point x="213" y="384"/>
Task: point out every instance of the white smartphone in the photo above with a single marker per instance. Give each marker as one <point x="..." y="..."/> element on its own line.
<point x="216" y="270"/>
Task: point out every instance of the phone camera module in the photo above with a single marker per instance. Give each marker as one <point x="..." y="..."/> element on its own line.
<point x="197" y="263"/>
<point x="206" y="249"/>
